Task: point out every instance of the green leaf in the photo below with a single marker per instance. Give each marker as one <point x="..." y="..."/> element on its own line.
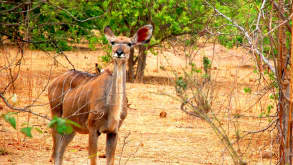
<point x="52" y="122"/>
<point x="10" y="119"/>
<point x="27" y="131"/>
<point x="72" y="123"/>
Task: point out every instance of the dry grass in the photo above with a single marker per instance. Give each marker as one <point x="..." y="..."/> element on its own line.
<point x="176" y="139"/>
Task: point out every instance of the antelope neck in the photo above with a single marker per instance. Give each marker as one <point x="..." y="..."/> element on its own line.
<point x="118" y="95"/>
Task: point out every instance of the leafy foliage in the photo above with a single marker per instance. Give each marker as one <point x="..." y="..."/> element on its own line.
<point x="242" y="12"/>
<point x="63" y="126"/>
<point x="50" y="25"/>
<point x="9" y="118"/>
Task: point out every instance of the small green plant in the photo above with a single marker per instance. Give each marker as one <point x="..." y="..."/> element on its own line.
<point x="106" y="58"/>
<point x="269" y="109"/>
<point x="181" y="85"/>
<point x="274" y="96"/>
<point x="207" y="65"/>
<point x="194" y="68"/>
<point x="247" y="90"/>
<point x="267" y="113"/>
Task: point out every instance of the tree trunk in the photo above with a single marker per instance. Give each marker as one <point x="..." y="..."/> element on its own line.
<point x="141" y="64"/>
<point x="284" y="106"/>
<point x="289" y="133"/>
<point x="283" y="128"/>
<point x="287" y="104"/>
<point x="131" y="62"/>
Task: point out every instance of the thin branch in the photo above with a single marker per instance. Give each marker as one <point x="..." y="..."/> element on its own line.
<point x="62" y="53"/>
<point x="43" y="90"/>
<point x="125" y="142"/>
<point x="259" y="15"/>
<point x="25" y="109"/>
<point x="249" y="39"/>
<point x="22" y="40"/>
<point x="282" y="15"/>
<point x="14" y="78"/>
<point x="15" y="7"/>
<point x="261" y="130"/>
<point x="167" y="37"/>
<point x="277" y="27"/>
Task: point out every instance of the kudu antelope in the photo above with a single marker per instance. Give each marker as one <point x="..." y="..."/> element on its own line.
<point x="96" y="103"/>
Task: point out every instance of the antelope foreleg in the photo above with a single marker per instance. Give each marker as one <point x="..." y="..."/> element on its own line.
<point x="61" y="143"/>
<point x="54" y="134"/>
<point x="111" y="147"/>
<point x="93" y="145"/>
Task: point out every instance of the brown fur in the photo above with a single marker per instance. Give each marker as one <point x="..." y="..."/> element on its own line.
<point x="76" y="88"/>
<point x="97" y="103"/>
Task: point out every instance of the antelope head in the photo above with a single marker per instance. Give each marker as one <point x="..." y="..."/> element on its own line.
<point x="121" y="45"/>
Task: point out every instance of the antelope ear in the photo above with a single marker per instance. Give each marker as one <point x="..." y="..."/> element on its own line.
<point x="143" y="35"/>
<point x="109" y="34"/>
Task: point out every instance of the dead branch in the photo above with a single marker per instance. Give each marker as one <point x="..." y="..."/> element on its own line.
<point x="125" y="142"/>
<point x="261" y="130"/>
<point x="24" y="109"/>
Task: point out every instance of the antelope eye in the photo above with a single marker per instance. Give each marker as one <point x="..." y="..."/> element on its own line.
<point x="112" y="43"/>
<point x="129" y="44"/>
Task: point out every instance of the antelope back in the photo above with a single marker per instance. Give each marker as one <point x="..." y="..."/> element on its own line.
<point x="63" y="84"/>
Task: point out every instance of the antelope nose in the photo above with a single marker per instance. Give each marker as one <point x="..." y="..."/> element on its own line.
<point x="119" y="52"/>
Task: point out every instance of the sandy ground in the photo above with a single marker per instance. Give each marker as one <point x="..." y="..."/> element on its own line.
<point x="145" y="138"/>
